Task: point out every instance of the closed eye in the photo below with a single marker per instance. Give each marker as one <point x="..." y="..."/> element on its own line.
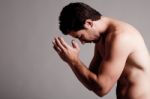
<point x="78" y="37"/>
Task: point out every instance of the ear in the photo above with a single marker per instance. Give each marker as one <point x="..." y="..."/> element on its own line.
<point x="88" y="23"/>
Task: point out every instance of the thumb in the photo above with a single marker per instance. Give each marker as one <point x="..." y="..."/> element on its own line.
<point x="75" y="44"/>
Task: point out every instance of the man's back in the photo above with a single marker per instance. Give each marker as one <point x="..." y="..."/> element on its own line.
<point x="134" y="82"/>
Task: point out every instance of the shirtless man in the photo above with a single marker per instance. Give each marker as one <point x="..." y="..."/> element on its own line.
<point x="120" y="53"/>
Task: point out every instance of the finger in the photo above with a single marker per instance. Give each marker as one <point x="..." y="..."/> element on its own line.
<point x="59" y="44"/>
<point x="75" y="44"/>
<point x="53" y="42"/>
<point x="62" y="41"/>
<point x="57" y="49"/>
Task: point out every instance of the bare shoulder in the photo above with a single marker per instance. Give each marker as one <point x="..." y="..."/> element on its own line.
<point x="123" y="40"/>
<point x="126" y="34"/>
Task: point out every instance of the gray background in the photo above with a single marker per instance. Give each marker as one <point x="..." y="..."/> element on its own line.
<point x="30" y="68"/>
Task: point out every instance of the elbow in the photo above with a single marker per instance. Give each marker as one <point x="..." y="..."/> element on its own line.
<point x="101" y="92"/>
<point x="101" y="87"/>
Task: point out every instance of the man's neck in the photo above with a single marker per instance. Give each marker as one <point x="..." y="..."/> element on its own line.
<point x="106" y="24"/>
<point x="108" y="27"/>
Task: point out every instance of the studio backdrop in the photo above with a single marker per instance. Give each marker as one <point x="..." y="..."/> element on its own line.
<point x="29" y="66"/>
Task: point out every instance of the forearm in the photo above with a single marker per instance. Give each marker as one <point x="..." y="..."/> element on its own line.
<point x="70" y="55"/>
<point x="85" y="76"/>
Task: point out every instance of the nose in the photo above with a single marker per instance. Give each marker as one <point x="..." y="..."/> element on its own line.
<point x="82" y="42"/>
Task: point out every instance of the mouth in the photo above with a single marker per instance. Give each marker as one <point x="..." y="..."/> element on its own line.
<point x="93" y="41"/>
<point x="83" y="42"/>
<point x="97" y="40"/>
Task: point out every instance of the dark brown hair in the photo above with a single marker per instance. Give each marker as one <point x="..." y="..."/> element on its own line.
<point x="74" y="15"/>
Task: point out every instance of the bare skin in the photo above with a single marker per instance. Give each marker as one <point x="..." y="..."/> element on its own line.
<point x="120" y="57"/>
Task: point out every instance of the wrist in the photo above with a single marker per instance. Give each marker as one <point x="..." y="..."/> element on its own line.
<point x="74" y="62"/>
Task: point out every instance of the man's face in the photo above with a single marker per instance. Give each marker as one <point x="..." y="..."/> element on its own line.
<point x="85" y="36"/>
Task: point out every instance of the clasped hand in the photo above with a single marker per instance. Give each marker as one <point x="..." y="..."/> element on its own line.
<point x="69" y="54"/>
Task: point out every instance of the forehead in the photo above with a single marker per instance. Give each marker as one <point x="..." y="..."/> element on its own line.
<point x="73" y="34"/>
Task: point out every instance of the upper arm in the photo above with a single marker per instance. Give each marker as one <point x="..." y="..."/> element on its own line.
<point x="94" y="65"/>
<point x="113" y="63"/>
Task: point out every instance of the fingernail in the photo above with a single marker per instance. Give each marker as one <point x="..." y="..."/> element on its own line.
<point x="59" y="38"/>
<point x="53" y="42"/>
<point x="73" y="40"/>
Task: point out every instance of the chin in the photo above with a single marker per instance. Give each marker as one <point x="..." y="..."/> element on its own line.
<point x="96" y="41"/>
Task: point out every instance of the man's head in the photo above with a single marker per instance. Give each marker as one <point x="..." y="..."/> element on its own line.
<point x="74" y="16"/>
